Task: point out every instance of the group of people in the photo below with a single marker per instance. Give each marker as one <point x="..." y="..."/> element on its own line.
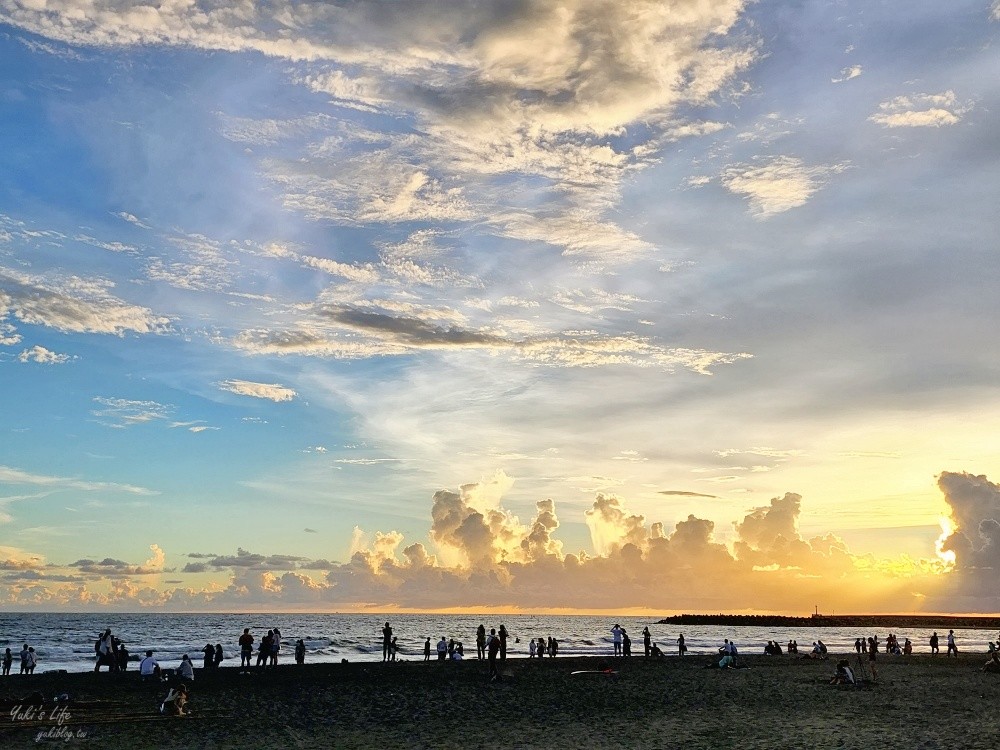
<point x="29" y="660"/>
<point x="267" y="650"/>
<point x="110" y="652"/>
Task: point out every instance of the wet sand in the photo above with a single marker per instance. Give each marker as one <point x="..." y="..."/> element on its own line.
<point x="920" y="702"/>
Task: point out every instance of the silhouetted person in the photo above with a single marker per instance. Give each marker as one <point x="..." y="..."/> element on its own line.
<point x="209" y="660"/>
<point x="219" y="656"/>
<point x="934" y="643"/>
<point x="616" y="635"/>
<point x="481" y="642"/>
<point x="427" y="649"/>
<point x="300" y="651"/>
<point x="502" y="635"/>
<point x="494" y="649"/>
<point x="952" y="646"/>
<point x="386" y="642"/>
<point x="246" y="648"/>
<point x="122" y="657"/>
<point x="646" y="640"/>
<point x="681" y="648"/>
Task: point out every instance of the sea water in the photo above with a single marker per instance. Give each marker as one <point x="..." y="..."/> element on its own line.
<point x="66" y="641"/>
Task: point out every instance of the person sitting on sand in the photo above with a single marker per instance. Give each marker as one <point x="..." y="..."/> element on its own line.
<point x="175" y="704"/>
<point x="993" y="664"/>
<point x="149" y="668"/>
<point x="844" y="675"/>
<point x="185" y="669"/>
<point x="655" y="651"/>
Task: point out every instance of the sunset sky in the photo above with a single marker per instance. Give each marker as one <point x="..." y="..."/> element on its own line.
<point x="686" y="305"/>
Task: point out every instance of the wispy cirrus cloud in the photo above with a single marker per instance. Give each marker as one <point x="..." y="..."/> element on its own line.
<point x="269" y="391"/>
<point x="10" y="475"/>
<point x="122" y="412"/>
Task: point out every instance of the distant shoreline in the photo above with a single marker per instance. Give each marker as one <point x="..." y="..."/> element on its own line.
<point x="839" y="621"/>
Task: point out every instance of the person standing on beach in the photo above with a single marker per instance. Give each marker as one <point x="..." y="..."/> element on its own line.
<point x="8" y="659"/>
<point x="681" y="648"/>
<point x="386" y="642"/>
<point x="300" y="651"/>
<point x="209" y="659"/>
<point x="626" y="643"/>
<point x="122" y="657"/>
<point x="872" y="656"/>
<point x="427" y="649"/>
<point x="647" y="639"/>
<point x="494" y="649"/>
<point x="275" y="647"/>
<point x="952" y="647"/>
<point x="442" y="649"/>
<point x="219" y="656"/>
<point x="246" y="649"/>
<point x="502" y="635"/>
<point x="616" y="633"/>
<point x="264" y="649"/>
<point x="105" y="652"/>
<point x="934" y="643"/>
<point x="481" y="641"/>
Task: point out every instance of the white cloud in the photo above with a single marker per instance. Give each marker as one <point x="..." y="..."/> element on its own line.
<point x="9" y="475"/>
<point x="995" y="10"/>
<point x="269" y="391"/>
<point x="848" y="73"/>
<point x="73" y="305"/>
<point x="43" y="356"/>
<point x="121" y="412"/>
<point x="777" y="184"/>
<point x="920" y="111"/>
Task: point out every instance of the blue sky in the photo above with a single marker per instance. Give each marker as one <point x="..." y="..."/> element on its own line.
<point x="299" y="296"/>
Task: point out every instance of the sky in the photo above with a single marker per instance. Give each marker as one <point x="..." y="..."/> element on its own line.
<point x="588" y="305"/>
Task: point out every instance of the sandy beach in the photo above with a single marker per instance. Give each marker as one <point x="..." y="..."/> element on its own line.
<point x="779" y="702"/>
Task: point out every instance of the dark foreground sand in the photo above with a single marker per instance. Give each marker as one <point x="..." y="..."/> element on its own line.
<point x="920" y="703"/>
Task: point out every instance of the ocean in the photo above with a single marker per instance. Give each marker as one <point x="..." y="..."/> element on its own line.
<point x="66" y="641"/>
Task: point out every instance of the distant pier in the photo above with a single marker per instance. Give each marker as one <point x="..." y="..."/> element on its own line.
<point x="931" y="622"/>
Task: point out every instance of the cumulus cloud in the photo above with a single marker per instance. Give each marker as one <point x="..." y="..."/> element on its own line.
<point x="481" y="554"/>
<point x="776" y="185"/>
<point x="920" y="111"/>
<point x="974" y="504"/>
<point x="42" y="356"/>
<point x="270" y="391"/>
<point x="73" y="305"/>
